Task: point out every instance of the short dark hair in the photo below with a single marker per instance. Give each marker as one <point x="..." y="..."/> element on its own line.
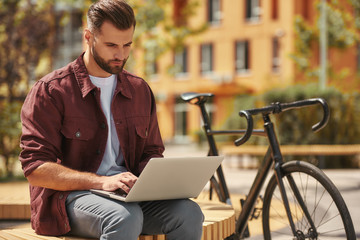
<point x="118" y="12"/>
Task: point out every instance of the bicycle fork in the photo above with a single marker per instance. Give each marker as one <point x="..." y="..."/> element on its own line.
<point x="278" y="159"/>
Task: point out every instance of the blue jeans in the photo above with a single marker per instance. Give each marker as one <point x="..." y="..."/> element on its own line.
<point x="94" y="216"/>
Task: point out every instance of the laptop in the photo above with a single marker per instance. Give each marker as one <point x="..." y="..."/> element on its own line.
<point x="169" y="178"/>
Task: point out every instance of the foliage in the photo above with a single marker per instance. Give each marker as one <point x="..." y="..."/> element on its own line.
<point x="305" y="34"/>
<point x="26" y="33"/>
<point x="10" y="130"/>
<point x="342" y="32"/>
<point x="294" y="126"/>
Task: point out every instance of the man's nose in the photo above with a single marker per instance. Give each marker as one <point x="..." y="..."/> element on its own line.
<point x="120" y="54"/>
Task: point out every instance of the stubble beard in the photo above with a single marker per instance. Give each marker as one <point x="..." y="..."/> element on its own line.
<point x="105" y="65"/>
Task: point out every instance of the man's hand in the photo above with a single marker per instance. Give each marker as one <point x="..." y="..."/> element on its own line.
<point x="124" y="181"/>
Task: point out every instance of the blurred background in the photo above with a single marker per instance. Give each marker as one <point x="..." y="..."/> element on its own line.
<point x="247" y="52"/>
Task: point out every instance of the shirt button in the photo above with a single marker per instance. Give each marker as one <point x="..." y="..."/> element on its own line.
<point x="98" y="152"/>
<point x="78" y="134"/>
<point x="103" y="125"/>
<point x="61" y="196"/>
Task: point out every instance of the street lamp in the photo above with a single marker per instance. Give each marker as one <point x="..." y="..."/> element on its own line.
<point x="323" y="46"/>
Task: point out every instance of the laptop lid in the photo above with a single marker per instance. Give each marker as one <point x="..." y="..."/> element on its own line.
<point x="171" y="178"/>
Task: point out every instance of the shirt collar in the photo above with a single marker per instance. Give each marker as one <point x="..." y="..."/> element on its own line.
<point x="85" y="84"/>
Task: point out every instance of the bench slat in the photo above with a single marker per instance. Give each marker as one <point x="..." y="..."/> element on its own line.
<point x="29" y="234"/>
<point x="329" y="150"/>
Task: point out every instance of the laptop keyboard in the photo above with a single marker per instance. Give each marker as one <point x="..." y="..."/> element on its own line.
<point x="119" y="192"/>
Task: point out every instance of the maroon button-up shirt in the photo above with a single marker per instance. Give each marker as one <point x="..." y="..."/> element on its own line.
<point x="62" y="122"/>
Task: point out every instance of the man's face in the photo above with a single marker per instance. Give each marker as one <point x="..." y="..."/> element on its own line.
<point x="110" y="47"/>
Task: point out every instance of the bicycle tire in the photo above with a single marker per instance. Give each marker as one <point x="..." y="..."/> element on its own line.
<point x="326" y="206"/>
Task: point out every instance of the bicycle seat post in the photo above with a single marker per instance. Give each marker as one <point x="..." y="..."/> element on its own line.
<point x="207" y="127"/>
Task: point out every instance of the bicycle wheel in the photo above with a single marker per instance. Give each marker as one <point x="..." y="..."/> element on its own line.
<point x="324" y="204"/>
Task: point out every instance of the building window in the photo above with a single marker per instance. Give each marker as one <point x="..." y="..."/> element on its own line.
<point x="242" y="57"/>
<point x="206" y="58"/>
<point x="275" y="54"/>
<point x="151" y="69"/>
<point x="253" y="10"/>
<point x="181" y="63"/>
<point x="214" y="12"/>
<point x="180" y="123"/>
<point x="275" y="9"/>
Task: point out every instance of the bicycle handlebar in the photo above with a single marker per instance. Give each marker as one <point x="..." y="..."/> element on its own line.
<point x="249" y="130"/>
<point x="276" y="108"/>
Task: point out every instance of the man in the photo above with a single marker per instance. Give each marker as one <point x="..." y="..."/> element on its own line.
<point x="93" y="125"/>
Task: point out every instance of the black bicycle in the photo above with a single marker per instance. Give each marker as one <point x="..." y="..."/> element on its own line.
<point x="300" y="201"/>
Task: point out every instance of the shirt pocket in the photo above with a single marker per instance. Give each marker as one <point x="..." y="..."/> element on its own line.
<point x="141" y="131"/>
<point x="83" y="144"/>
<point x="78" y="129"/>
<point x="138" y="130"/>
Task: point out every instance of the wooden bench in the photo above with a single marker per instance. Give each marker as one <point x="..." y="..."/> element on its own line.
<point x="219" y="223"/>
<point x="296" y="150"/>
<point x="29" y="234"/>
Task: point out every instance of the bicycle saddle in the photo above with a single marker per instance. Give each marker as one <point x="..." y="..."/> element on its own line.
<point x="188" y="96"/>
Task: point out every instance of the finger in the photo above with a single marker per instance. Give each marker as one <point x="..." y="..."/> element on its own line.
<point x="129" y="179"/>
<point x="124" y="187"/>
<point x="128" y="182"/>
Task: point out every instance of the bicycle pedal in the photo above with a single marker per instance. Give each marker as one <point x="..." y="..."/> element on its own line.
<point x="255" y="214"/>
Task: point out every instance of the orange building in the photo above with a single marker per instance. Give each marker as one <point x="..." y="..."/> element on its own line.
<point x="245" y="50"/>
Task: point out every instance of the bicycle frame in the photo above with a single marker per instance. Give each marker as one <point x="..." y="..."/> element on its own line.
<point x="273" y="155"/>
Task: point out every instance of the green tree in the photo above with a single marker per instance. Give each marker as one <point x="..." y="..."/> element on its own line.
<point x="343" y="31"/>
<point x="10" y="129"/>
<point x="26" y="35"/>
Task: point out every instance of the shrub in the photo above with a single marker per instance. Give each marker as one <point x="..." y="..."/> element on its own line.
<point x="294" y="126"/>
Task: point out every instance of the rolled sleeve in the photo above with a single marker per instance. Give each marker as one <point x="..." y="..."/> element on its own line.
<point x="41" y="140"/>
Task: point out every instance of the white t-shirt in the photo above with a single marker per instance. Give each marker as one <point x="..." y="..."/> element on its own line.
<point x="113" y="160"/>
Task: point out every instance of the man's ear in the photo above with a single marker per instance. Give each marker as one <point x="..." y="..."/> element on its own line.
<point x="87" y="35"/>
